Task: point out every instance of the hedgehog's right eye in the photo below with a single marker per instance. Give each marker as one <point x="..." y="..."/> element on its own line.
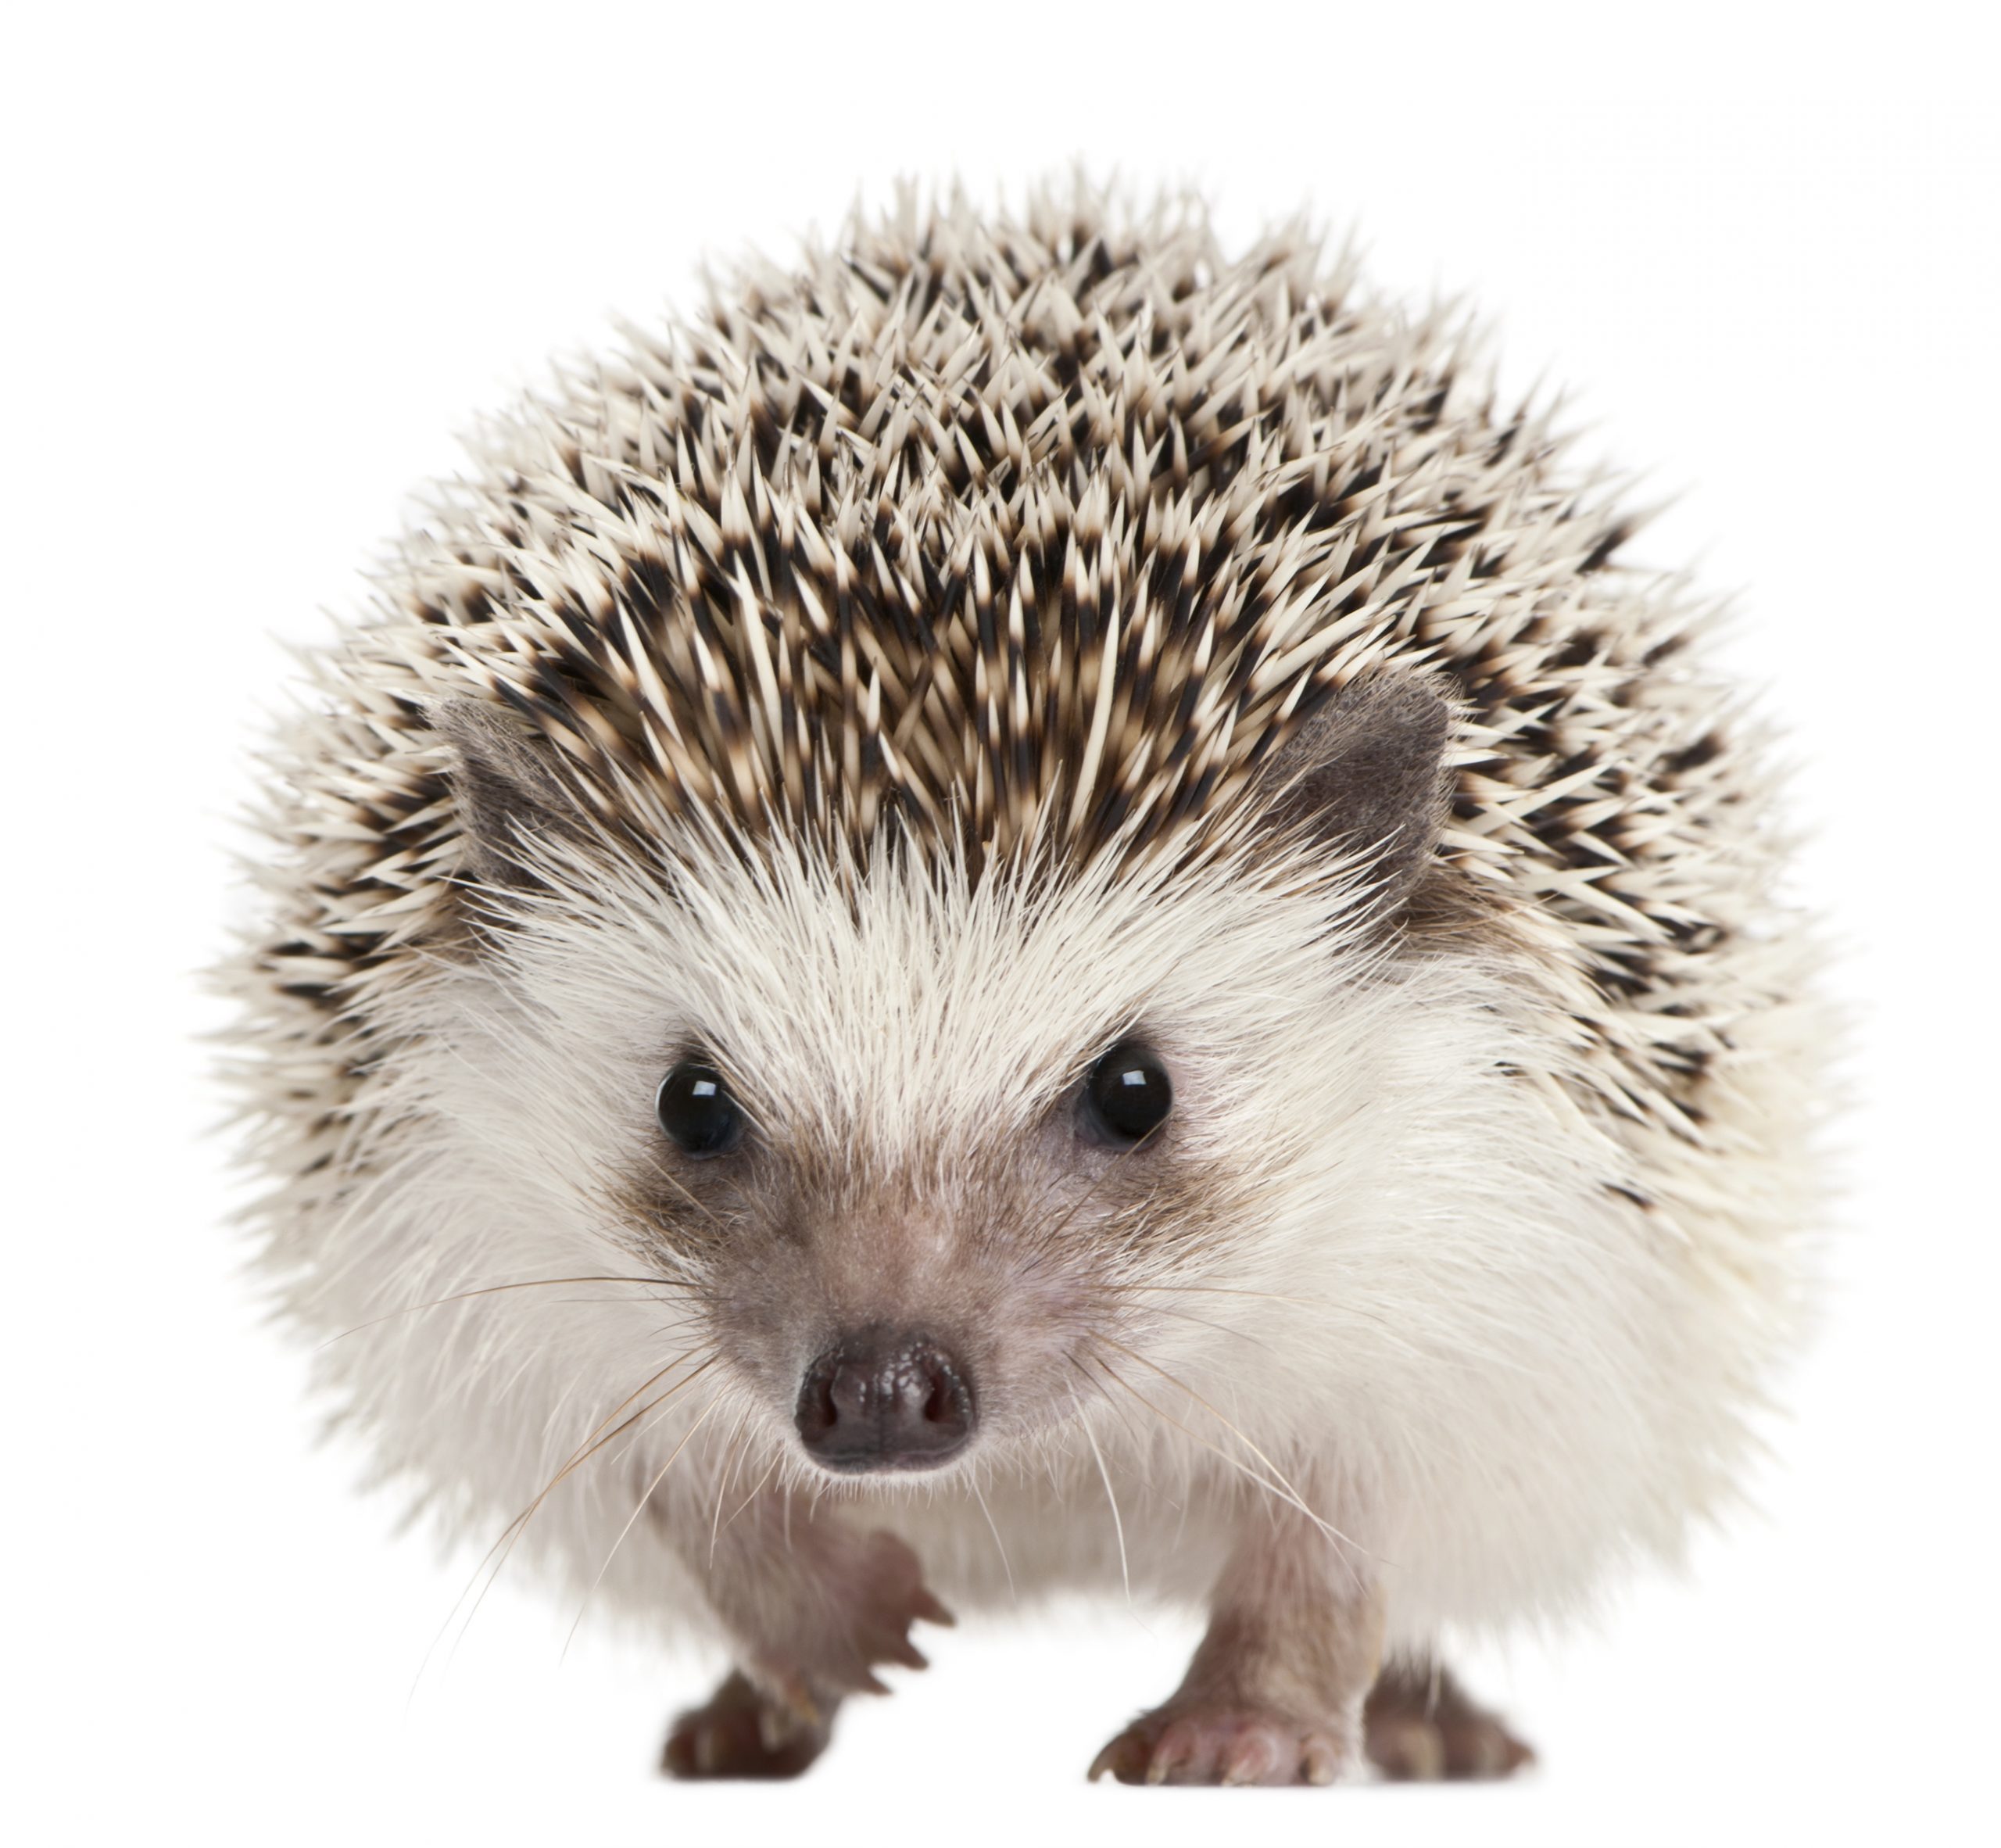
<point x="696" y="1113"/>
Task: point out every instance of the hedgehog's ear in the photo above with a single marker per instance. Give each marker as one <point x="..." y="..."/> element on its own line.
<point x="508" y="792"/>
<point x="1367" y="772"/>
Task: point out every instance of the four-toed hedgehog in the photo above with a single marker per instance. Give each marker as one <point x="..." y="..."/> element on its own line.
<point x="1036" y="910"/>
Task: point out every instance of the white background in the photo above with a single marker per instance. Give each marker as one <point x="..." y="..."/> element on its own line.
<point x="260" y="265"/>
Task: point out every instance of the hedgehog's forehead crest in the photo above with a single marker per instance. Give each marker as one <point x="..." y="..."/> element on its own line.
<point x="1013" y="536"/>
<point x="882" y="1003"/>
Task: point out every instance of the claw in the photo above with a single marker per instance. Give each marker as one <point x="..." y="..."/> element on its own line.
<point x="790" y="1695"/>
<point x="1176" y="1749"/>
<point x="1250" y="1760"/>
<point x="1124" y="1757"/>
<point x="1322" y="1763"/>
<point x="774" y="1727"/>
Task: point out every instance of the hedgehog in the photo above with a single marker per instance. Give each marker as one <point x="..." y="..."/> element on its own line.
<point x="1035" y="911"/>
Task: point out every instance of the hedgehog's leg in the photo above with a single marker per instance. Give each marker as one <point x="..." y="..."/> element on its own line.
<point x="1419" y="1726"/>
<point x="1274" y="1694"/>
<point x="815" y="1606"/>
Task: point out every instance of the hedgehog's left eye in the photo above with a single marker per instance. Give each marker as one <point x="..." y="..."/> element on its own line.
<point x="1126" y="1096"/>
<point x="696" y="1112"/>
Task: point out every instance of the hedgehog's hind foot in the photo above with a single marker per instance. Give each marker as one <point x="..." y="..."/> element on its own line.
<point x="739" y="1732"/>
<point x="1418" y="1727"/>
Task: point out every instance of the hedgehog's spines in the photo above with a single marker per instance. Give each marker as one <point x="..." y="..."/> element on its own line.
<point x="1050" y="527"/>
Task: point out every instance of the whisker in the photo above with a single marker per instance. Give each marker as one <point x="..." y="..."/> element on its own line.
<point x="1218" y="1289"/>
<point x="1000" y="1544"/>
<point x="503" y="1545"/>
<point x="756" y="1489"/>
<point x="1203" y="1322"/>
<point x="1118" y="1410"/>
<point x="723" y="1487"/>
<point x="1276" y="1483"/>
<point x="653" y="1416"/>
<point x="1118" y="1526"/>
<point x="1236" y="1463"/>
<point x="1342" y="1309"/>
<point x="1133" y="1354"/>
<point x="537" y="1283"/>
<point x="1048" y="1239"/>
<point x="701" y="1419"/>
<point x="681" y="1187"/>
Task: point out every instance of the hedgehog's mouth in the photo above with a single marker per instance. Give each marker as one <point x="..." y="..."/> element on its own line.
<point x="883" y="1399"/>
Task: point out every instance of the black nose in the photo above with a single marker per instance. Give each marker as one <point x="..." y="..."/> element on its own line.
<point x="882" y="1400"/>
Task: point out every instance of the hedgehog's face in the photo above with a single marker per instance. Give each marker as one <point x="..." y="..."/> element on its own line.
<point x="936" y="1161"/>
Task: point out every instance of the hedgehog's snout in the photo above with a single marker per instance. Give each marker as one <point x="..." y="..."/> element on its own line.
<point x="882" y="1398"/>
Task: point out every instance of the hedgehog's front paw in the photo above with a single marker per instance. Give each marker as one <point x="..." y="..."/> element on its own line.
<point x="1200" y="1742"/>
<point x="739" y="1732"/>
<point x="866" y="1592"/>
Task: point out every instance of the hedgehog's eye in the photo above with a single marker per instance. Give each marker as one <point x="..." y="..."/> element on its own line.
<point x="1127" y="1096"/>
<point x="696" y="1111"/>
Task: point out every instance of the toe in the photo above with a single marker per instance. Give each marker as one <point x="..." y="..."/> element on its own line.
<point x="1256" y="1756"/>
<point x="1173" y="1754"/>
<point x="1408" y="1750"/>
<point x="1482" y="1748"/>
